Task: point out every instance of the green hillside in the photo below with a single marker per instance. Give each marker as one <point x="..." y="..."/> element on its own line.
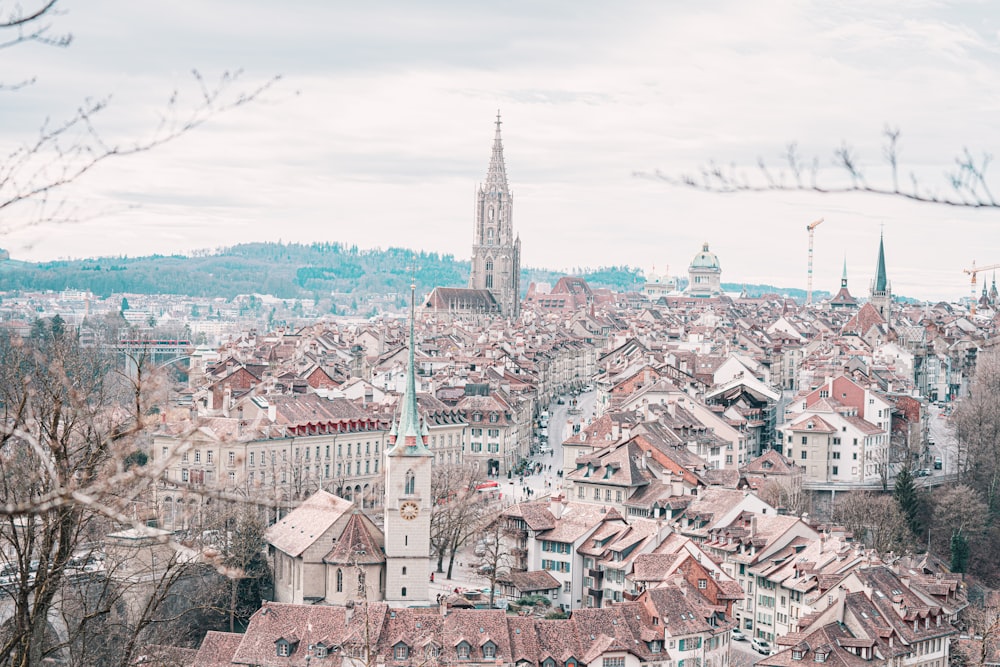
<point x="284" y="270"/>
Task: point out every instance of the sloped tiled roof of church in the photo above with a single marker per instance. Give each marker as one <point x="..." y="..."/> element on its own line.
<point x="357" y="545"/>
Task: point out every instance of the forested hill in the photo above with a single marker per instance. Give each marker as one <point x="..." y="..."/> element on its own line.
<point x="283" y="270"/>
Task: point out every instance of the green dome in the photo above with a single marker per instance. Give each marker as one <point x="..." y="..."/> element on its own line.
<point x="705" y="260"/>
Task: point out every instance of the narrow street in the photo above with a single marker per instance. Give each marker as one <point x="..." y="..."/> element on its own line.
<point x="939" y="432"/>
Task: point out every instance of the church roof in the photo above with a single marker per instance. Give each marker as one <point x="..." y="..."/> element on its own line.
<point x="356" y="546"/>
<point x="305" y="524"/>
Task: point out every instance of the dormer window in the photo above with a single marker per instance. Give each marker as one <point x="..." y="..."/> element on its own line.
<point x="819" y="656"/>
<point x="494" y="418"/>
<point x="463" y="651"/>
<point x="489" y="650"/>
<point x="320" y="651"/>
<point x="796" y="654"/>
<point x="283" y="648"/>
<point x="400" y="651"/>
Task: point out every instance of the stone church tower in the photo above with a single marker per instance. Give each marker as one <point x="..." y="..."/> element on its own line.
<point x="881" y="290"/>
<point x="407" y="519"/>
<point x="496" y="251"/>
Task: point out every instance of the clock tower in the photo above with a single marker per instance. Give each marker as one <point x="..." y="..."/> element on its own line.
<point x="407" y="520"/>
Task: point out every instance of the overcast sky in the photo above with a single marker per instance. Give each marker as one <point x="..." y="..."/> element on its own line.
<point x="382" y="124"/>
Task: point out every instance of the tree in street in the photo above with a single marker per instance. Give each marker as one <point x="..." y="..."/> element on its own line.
<point x="495" y="558"/>
<point x="458" y="513"/>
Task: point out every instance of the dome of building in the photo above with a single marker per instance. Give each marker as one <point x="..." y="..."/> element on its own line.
<point x="705" y="260"/>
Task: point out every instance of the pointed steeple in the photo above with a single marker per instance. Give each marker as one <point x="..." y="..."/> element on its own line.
<point x="408" y="436"/>
<point x="496" y="177"/>
<point x="881" y="281"/>
<point x="843" y="278"/>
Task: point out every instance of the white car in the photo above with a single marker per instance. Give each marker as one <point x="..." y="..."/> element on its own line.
<point x="760" y="646"/>
<point x="738" y="635"/>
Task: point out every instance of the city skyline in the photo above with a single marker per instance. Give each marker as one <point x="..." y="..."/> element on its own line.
<point x="380" y="131"/>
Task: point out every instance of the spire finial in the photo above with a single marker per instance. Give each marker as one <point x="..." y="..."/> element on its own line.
<point x="408" y="427"/>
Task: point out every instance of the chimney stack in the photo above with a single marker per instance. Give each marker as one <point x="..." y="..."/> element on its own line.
<point x="556" y="505"/>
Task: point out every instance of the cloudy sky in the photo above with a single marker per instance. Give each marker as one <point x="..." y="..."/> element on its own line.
<point x="381" y="126"/>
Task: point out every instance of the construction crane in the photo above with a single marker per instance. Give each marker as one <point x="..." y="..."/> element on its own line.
<point x="972" y="272"/>
<point x="809" y="279"/>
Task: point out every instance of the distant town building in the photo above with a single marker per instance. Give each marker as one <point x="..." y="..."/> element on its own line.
<point x="704" y="275"/>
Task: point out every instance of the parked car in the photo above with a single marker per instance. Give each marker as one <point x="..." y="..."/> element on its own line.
<point x="738" y="635"/>
<point x="937" y="462"/>
<point x="923" y="472"/>
<point x="760" y="646"/>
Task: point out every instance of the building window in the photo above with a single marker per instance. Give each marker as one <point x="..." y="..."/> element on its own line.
<point x="340" y="580"/>
<point x="804" y="454"/>
<point x="703" y="583"/>
<point x="402" y="592"/>
<point x="184" y="475"/>
<point x="489" y="651"/>
<point x="805" y="440"/>
<point x="197" y="456"/>
<point x="834" y="470"/>
<point x="614" y="662"/>
<point x="284" y="648"/>
<point x="401" y="652"/>
<point x="463" y="651"/>
<point x="232" y="458"/>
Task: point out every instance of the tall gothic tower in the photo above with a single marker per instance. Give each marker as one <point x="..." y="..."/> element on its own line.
<point x="496" y="251"/>
<point x="881" y="292"/>
<point x="407" y="519"/>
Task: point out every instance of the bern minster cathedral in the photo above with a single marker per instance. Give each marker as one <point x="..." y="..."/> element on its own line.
<point x="494" y="282"/>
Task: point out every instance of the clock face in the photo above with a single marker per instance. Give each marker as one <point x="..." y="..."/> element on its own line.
<point x="409" y="510"/>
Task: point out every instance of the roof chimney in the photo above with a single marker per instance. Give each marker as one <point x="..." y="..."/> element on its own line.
<point x="556" y="505"/>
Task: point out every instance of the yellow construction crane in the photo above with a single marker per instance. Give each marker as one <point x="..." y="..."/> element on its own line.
<point x="973" y="271"/>
<point x="809" y="279"/>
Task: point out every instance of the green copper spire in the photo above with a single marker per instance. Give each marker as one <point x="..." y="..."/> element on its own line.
<point x="407" y="437"/>
<point x="881" y="282"/>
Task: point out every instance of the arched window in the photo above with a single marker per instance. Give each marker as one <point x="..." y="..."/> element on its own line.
<point x="411" y="483"/>
<point x="340" y="580"/>
<point x="489" y="265"/>
<point x="404" y="571"/>
<point x="403" y="592"/>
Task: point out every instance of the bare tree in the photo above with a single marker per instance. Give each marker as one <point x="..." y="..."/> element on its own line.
<point x="34" y="176"/>
<point x="983" y="622"/>
<point x="976" y="422"/>
<point x="787" y="495"/>
<point x="458" y="513"/>
<point x="495" y="559"/>
<point x="874" y="519"/>
<point x="967" y="182"/>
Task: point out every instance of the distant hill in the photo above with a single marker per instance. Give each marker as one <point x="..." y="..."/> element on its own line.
<point x="284" y="270"/>
<point x="289" y="271"/>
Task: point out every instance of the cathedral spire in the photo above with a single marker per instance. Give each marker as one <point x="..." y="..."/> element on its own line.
<point x="407" y="427"/>
<point x="843" y="278"/>
<point x="497" y="174"/>
<point x="880" y="279"/>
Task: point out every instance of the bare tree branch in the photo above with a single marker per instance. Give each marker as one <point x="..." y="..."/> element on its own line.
<point x="968" y="181"/>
